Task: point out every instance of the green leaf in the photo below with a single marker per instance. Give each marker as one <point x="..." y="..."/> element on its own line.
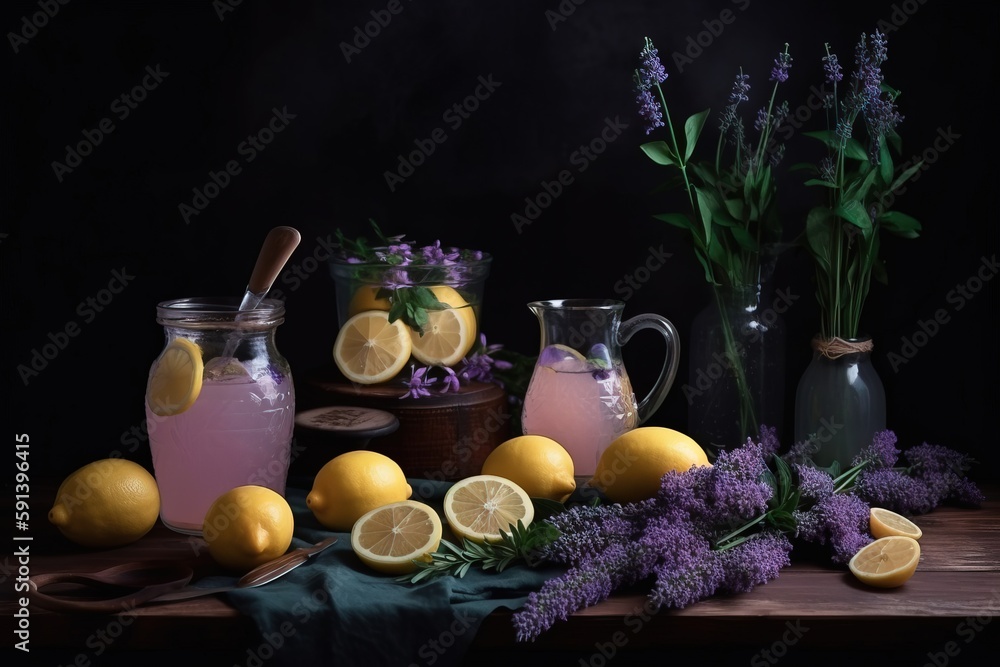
<point x="706" y="266"/>
<point x="705" y="209"/>
<point x="818" y="223"/>
<point x="858" y="189"/>
<point x="906" y="175"/>
<point x="900" y="224"/>
<point x="692" y="130"/>
<point x="854" y="212"/>
<point x="734" y="207"/>
<point x="820" y="181"/>
<point x="828" y="137"/>
<point x="660" y="153"/>
<point x="744" y="239"/>
<point x="879" y="272"/>
<point x="676" y="219"/>
<point x="705" y="173"/>
<point x="885" y="162"/>
<point x="804" y="166"/>
<point x="853" y="149"/>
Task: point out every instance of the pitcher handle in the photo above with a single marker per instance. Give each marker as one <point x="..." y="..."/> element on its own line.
<point x="649" y="405"/>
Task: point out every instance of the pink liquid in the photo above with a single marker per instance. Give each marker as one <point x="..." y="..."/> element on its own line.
<point x="581" y="412"/>
<point x="237" y="432"/>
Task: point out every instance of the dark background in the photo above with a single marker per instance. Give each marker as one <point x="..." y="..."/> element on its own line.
<point x="559" y="82"/>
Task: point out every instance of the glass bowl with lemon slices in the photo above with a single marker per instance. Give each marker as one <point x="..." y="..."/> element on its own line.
<point x="401" y="306"/>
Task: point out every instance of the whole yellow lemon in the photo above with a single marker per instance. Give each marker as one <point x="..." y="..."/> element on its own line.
<point x="353" y="484"/>
<point x="539" y="465"/>
<point x="631" y="467"/>
<point x="106" y="503"/>
<point x="248" y="526"/>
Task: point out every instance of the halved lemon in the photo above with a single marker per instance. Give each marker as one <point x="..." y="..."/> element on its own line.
<point x="477" y="508"/>
<point x="887" y="562"/>
<point x="366" y="298"/>
<point x="175" y="381"/>
<point x="884" y="523"/>
<point x="390" y="538"/>
<point x="449" y="333"/>
<point x="371" y="349"/>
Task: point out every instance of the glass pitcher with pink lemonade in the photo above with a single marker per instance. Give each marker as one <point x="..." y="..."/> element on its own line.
<point x="579" y="393"/>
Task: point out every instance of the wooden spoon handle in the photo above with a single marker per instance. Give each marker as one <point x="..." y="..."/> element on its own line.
<point x="277" y="248"/>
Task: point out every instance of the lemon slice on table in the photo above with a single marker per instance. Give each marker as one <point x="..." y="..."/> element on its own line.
<point x="449" y="333"/>
<point x="175" y="382"/>
<point x="389" y="538"/>
<point x="884" y="523"/>
<point x="887" y="562"/>
<point x="371" y="349"/>
<point x="477" y="508"/>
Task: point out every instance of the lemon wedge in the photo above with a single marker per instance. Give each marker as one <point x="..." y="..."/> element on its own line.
<point x="175" y="381"/>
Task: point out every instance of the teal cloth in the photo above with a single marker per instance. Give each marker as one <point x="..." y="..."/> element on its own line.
<point x="335" y="610"/>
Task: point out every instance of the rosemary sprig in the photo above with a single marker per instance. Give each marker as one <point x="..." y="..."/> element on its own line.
<point x="520" y="545"/>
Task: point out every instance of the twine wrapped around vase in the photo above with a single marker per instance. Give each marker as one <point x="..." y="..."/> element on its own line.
<point x="836" y="347"/>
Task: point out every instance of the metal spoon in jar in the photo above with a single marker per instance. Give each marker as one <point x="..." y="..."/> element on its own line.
<point x="274" y="253"/>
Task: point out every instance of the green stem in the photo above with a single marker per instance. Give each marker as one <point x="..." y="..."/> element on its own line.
<point x="682" y="163"/>
<point x="748" y="417"/>
<point x="727" y="542"/>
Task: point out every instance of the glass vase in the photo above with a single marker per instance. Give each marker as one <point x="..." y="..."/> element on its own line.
<point x="736" y="373"/>
<point x="840" y="401"/>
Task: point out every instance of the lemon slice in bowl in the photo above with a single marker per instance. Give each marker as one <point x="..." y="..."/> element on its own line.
<point x="449" y="333"/>
<point x="175" y="381"/>
<point x="371" y="349"/>
<point x="477" y="508"/>
<point x="884" y="523"/>
<point x="887" y="562"/>
<point x="390" y="538"/>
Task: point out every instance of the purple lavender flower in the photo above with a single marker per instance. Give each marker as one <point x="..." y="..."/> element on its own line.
<point x="826" y="169"/>
<point x="396" y="278"/>
<point x="592" y="582"/>
<point x="768" y="440"/>
<point x="831" y="67"/>
<point x="450" y="381"/>
<point x="649" y="110"/>
<point x="754" y="562"/>
<point x="418" y="382"/>
<point x="802" y="452"/>
<point x="762" y="119"/>
<point x="894" y="490"/>
<point x="687" y="570"/>
<point x="839" y="521"/>
<point x="651" y="71"/>
<point x="740" y="90"/>
<point x="814" y="484"/>
<point x="881" y="453"/>
<point x="943" y="470"/>
<point x="479" y="365"/>
<point x="782" y="64"/>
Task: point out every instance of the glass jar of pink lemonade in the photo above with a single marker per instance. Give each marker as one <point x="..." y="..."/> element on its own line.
<point x="220" y="405"/>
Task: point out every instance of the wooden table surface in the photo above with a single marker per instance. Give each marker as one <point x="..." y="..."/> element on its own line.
<point x="812" y="614"/>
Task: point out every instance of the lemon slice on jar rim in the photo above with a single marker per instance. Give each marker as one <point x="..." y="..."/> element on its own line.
<point x="176" y="378"/>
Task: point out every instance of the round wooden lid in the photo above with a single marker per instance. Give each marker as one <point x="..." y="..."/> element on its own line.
<point x="348" y="421"/>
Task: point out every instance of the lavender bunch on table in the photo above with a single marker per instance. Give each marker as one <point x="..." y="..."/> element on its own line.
<point x="728" y="528"/>
<point x="669" y="539"/>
